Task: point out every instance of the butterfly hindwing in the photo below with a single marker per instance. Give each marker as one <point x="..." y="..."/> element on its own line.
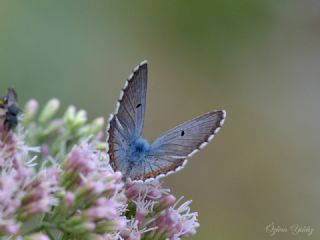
<point x="126" y="124"/>
<point x="170" y="152"/>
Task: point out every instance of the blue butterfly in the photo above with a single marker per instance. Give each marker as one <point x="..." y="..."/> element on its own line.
<point x="135" y="157"/>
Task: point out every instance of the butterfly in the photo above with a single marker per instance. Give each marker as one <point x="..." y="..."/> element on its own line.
<point x="136" y="158"/>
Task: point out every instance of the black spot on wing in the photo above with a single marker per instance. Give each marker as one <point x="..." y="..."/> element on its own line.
<point x="138" y="105"/>
<point x="182" y="133"/>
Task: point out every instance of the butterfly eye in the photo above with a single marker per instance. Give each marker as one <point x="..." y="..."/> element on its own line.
<point x="138" y="105"/>
<point x="182" y="133"/>
<point x="5" y="99"/>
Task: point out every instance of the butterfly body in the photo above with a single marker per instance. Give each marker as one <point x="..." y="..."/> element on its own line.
<point x="138" y="150"/>
<point x="134" y="156"/>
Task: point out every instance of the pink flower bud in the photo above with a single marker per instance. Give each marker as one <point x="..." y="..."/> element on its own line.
<point x="69" y="199"/>
<point x="32" y="106"/>
<point x="167" y="201"/>
<point x="12" y="228"/>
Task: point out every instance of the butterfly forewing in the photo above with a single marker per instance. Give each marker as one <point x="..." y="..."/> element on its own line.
<point x="131" y="107"/>
<point x="126" y="124"/>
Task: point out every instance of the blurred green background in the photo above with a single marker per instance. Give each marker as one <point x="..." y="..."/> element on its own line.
<point x="259" y="60"/>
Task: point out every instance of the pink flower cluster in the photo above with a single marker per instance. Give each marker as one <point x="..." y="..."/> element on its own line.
<point x="92" y="199"/>
<point x="71" y="192"/>
<point x="157" y="214"/>
<point x="23" y="193"/>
